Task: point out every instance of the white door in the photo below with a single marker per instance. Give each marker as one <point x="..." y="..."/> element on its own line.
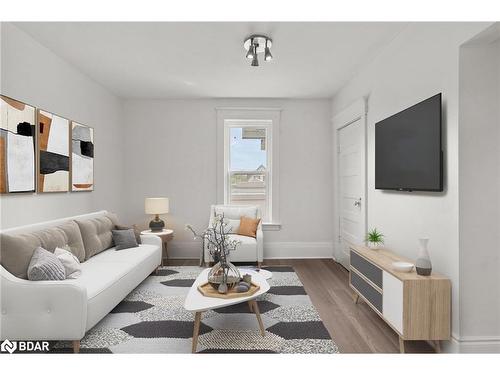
<point x="351" y="187"/>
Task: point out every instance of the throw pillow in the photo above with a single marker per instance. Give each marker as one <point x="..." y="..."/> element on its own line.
<point x="45" y="266"/>
<point x="248" y="226"/>
<point x="134" y="228"/>
<point x="124" y="239"/>
<point x="70" y="262"/>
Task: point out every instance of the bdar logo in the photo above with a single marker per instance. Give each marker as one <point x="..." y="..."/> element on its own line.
<point x="8" y="346"/>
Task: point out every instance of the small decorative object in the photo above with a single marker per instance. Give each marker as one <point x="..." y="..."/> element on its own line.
<point x="156" y="206"/>
<point x="374" y="239"/>
<point x="402" y="266"/>
<point x="423" y="263"/>
<point x="247" y="278"/>
<point x="242" y="288"/>
<point x="223" y="276"/>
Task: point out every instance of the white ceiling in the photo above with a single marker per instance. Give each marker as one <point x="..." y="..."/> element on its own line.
<point x="207" y="60"/>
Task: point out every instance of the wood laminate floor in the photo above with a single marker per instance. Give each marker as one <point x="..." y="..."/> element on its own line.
<point x="355" y="328"/>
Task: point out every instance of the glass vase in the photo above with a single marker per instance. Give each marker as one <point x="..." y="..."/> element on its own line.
<point x="223" y="276"/>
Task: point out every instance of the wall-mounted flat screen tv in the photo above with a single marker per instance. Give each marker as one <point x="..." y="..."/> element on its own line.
<point x="408" y="154"/>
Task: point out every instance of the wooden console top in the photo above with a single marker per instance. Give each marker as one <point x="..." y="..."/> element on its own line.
<point x="384" y="258"/>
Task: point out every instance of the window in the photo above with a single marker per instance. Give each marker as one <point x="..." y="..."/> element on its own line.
<point x="248" y="164"/>
<point x="247" y="160"/>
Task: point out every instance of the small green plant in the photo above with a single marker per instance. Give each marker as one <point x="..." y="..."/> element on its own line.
<point x="375" y="236"/>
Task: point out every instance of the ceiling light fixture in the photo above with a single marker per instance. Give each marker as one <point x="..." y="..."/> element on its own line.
<point x="256" y="44"/>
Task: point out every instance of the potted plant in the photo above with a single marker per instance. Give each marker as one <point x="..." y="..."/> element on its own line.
<point x="374" y="239"/>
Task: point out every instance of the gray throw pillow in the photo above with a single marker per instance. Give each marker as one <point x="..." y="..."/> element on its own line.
<point x="136" y="231"/>
<point x="45" y="266"/>
<point x="124" y="239"/>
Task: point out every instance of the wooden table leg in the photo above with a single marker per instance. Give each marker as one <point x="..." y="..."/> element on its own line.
<point x="255" y="309"/>
<point x="196" y="330"/>
<point x="401" y="345"/>
<point x="250" y="306"/>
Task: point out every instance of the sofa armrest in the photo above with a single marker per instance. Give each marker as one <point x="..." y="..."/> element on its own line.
<point x="41" y="310"/>
<point x="151" y="239"/>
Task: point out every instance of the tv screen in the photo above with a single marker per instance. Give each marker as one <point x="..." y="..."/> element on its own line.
<point x="408" y="153"/>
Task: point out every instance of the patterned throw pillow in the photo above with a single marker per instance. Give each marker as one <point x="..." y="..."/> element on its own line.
<point x="45" y="266"/>
<point x="69" y="261"/>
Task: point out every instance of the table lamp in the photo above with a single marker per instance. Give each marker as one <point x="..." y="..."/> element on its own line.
<point x="156" y="206"/>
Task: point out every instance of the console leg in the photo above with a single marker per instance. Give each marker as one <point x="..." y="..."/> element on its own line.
<point x="401" y="345"/>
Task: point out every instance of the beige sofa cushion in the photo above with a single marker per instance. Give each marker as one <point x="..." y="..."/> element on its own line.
<point x="96" y="234"/>
<point x="17" y="250"/>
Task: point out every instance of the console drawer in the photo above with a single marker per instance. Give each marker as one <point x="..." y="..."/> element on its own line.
<point x="366" y="290"/>
<point x="367" y="269"/>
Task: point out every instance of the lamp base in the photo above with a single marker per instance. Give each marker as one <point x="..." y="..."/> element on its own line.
<point x="156" y="225"/>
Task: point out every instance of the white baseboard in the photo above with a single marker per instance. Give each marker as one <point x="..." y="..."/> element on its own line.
<point x="272" y="250"/>
<point x="297" y="250"/>
<point x="473" y="344"/>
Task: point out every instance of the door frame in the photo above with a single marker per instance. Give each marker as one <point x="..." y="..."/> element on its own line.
<point x="356" y="111"/>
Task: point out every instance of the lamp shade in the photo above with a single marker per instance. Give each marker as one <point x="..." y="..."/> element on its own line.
<point x="156" y="206"/>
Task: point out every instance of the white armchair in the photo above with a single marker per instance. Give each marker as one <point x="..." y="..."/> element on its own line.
<point x="250" y="249"/>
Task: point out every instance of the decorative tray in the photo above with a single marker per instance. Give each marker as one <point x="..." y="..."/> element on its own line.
<point x="207" y="290"/>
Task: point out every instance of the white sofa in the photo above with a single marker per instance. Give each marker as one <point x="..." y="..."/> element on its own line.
<point x="250" y="249"/>
<point x="65" y="310"/>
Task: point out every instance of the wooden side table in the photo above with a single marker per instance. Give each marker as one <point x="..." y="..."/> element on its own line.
<point x="165" y="235"/>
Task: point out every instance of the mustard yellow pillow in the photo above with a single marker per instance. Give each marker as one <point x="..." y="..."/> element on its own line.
<point x="248" y="226"/>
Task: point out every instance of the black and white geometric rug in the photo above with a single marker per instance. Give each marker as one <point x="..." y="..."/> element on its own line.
<point x="152" y="319"/>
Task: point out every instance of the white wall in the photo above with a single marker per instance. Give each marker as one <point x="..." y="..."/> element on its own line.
<point x="418" y="63"/>
<point x="33" y="74"/>
<point x="479" y="156"/>
<point x="171" y="151"/>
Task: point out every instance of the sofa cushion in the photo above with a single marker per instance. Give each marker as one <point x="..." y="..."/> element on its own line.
<point x="44" y="265"/>
<point x="107" y="267"/>
<point x="137" y="233"/>
<point x="246" y="251"/>
<point x="16" y="252"/>
<point x="96" y="234"/>
<point x="73" y="239"/>
<point x="124" y="239"/>
<point x="69" y="261"/>
<point x="248" y="226"/>
<point x="232" y="215"/>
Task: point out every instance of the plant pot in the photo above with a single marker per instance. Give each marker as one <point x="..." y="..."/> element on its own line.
<point x="375" y="245"/>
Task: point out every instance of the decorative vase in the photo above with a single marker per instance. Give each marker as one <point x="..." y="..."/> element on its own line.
<point x="423" y="264"/>
<point x="374" y="245"/>
<point x="223" y="276"/>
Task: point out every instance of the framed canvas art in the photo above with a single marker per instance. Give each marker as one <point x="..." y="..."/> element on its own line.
<point x="17" y="146"/>
<point x="53" y="146"/>
<point x="82" y="157"/>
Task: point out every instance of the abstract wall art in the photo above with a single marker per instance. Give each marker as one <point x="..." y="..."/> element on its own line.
<point x="53" y="143"/>
<point x="82" y="158"/>
<point x="17" y="146"/>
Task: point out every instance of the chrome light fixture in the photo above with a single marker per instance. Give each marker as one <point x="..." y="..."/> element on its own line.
<point x="256" y="44"/>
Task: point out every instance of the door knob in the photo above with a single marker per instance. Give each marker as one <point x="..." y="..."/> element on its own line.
<point x="357" y="203"/>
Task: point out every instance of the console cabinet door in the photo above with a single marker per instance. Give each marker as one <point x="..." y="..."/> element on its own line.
<point x="392" y="301"/>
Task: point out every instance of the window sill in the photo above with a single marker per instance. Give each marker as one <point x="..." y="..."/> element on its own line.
<point x="271" y="226"/>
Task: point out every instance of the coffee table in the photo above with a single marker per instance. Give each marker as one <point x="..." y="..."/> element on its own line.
<point x="198" y="303"/>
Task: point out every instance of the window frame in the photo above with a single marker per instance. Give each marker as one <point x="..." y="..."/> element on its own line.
<point x="262" y="124"/>
<point x="251" y="116"/>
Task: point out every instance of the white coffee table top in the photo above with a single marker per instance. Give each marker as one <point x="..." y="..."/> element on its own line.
<point x="195" y="301"/>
